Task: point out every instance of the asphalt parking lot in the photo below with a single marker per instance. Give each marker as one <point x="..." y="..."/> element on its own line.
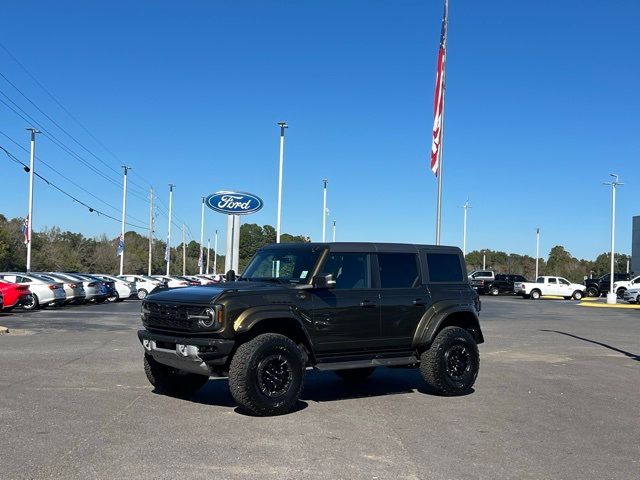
<point x="556" y="398"/>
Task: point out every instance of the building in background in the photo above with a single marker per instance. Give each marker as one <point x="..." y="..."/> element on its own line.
<point x="635" y="245"/>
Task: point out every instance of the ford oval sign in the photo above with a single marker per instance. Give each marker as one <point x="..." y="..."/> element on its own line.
<point x="234" y="203"/>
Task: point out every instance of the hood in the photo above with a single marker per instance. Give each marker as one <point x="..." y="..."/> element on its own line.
<point x="203" y="294"/>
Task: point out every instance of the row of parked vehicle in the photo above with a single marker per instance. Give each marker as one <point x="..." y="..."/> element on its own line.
<point x="35" y="290"/>
<point x="486" y="282"/>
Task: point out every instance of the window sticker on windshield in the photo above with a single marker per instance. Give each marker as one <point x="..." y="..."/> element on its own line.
<point x="303" y="274"/>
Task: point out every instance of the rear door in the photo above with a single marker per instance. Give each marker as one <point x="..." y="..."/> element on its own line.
<point x="444" y="276"/>
<point x="404" y="297"/>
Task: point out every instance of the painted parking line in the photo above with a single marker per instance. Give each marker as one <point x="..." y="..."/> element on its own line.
<point x="606" y="305"/>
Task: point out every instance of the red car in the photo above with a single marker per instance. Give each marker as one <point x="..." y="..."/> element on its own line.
<point x="13" y="294"/>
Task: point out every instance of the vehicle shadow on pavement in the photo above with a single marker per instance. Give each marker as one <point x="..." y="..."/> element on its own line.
<point x="630" y="355"/>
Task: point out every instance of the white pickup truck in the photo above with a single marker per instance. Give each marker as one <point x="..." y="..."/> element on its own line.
<point x="550" y="286"/>
<point x="622" y="286"/>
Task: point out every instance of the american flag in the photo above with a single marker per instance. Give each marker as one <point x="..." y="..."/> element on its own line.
<point x="438" y="100"/>
<point x="200" y="258"/>
<point x="120" y="247"/>
<point x="25" y="230"/>
<point x="166" y="251"/>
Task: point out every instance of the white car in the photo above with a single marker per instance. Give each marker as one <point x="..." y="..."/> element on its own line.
<point x="623" y="285"/>
<point x="74" y="290"/>
<point x="173" y="281"/>
<point x="550" y="286"/>
<point x="124" y="289"/>
<point x="44" y="291"/>
<point x="632" y="295"/>
<point x="144" y="284"/>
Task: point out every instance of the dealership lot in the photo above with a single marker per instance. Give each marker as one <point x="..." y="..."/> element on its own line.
<point x="557" y="397"/>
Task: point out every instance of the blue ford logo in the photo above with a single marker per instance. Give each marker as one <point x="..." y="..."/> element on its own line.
<point x="234" y="203"/>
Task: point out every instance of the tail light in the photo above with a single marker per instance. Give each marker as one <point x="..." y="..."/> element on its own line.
<point x="53" y="287"/>
<point x="183" y="283"/>
<point x="73" y="285"/>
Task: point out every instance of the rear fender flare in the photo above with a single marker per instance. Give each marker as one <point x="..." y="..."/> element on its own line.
<point x="438" y="317"/>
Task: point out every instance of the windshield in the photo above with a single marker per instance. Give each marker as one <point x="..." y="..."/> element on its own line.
<point x="282" y="265"/>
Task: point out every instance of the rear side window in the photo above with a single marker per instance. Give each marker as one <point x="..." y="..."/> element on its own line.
<point x="444" y="267"/>
<point x="398" y="270"/>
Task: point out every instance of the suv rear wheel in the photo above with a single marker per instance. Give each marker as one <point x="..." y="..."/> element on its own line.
<point x="450" y="366"/>
<point x="266" y="374"/>
<point x="494" y="290"/>
<point x="171" y="381"/>
<point x="593" y="292"/>
<point x="355" y="374"/>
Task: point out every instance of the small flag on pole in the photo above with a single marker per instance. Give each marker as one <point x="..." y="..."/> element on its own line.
<point x="120" y="247"/>
<point x="166" y="252"/>
<point x="25" y="230"/>
<point x="438" y="100"/>
<point x="200" y="259"/>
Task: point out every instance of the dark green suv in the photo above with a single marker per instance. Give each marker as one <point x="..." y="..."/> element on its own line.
<point x="346" y="307"/>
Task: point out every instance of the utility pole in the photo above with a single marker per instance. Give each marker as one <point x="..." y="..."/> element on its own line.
<point x="124" y="217"/>
<point x="208" y="253"/>
<point x="333" y="234"/>
<point x="324" y="209"/>
<point x="201" y="257"/>
<point x="215" y="254"/>
<point x="282" y="125"/>
<point x="611" y="296"/>
<point x="168" y="253"/>
<point x="32" y="159"/>
<point x="184" y="252"/>
<point x="150" y="230"/>
<point x="537" y="251"/>
<point x="466" y="207"/>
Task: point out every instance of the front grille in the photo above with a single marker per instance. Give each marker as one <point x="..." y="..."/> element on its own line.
<point x="168" y="316"/>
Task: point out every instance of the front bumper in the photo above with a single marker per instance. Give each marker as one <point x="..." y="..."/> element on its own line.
<point x="204" y="356"/>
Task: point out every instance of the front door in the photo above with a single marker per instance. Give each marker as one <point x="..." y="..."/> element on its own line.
<point x="346" y="317"/>
<point x="551" y="287"/>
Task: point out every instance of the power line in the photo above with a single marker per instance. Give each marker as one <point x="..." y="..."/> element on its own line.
<point x="90" y="208"/>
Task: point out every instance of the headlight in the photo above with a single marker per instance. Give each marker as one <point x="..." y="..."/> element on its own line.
<point x="213" y="318"/>
<point x="144" y="312"/>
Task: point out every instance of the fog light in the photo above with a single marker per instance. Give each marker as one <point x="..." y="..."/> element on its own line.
<point x="147" y="345"/>
<point x="182" y="350"/>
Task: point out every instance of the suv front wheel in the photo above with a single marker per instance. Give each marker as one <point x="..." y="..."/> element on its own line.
<point x="450" y="365"/>
<point x="171" y="381"/>
<point x="266" y="374"/>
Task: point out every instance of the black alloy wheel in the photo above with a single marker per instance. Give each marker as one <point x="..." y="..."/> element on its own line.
<point x="457" y="362"/>
<point x="274" y="375"/>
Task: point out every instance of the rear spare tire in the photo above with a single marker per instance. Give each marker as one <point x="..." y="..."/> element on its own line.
<point x="450" y="365"/>
<point x="266" y="374"/>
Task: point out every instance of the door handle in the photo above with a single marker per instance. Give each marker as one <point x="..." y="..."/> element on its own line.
<point x="419" y="302"/>
<point x="367" y="304"/>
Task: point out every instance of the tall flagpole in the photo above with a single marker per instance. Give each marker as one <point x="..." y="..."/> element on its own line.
<point x="282" y="125"/>
<point x="442" y="55"/>
<point x="466" y="207"/>
<point x="215" y="254"/>
<point x="208" y="254"/>
<point x="168" y="254"/>
<point x="324" y="210"/>
<point x="32" y="159"/>
<point x="201" y="258"/>
<point x="150" y="231"/>
<point x="124" y="217"/>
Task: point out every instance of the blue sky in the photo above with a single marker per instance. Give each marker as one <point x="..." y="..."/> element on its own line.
<point x="542" y="104"/>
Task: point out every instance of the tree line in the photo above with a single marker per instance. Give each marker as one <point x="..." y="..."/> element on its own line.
<point x="55" y="250"/>
<point x="559" y="262"/>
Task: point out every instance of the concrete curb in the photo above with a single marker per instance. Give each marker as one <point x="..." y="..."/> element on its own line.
<point x="3" y="330"/>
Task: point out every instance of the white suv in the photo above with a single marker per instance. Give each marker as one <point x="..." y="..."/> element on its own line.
<point x="144" y="284"/>
<point x="622" y="286"/>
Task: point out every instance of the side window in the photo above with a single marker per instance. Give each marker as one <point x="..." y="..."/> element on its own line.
<point x="552" y="280"/>
<point x="564" y="282"/>
<point x="637" y="280"/>
<point x="398" y="270"/>
<point x="349" y="270"/>
<point x="10" y="278"/>
<point x="23" y="280"/>
<point x="444" y="267"/>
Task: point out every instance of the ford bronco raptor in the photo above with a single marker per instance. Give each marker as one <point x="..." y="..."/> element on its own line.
<point x="345" y="307"/>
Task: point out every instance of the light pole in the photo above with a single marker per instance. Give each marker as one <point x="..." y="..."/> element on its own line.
<point x="282" y="125"/>
<point x="466" y="207"/>
<point x="150" y="230"/>
<point x="611" y="296"/>
<point x="29" y="229"/>
<point x="168" y="255"/>
<point x="124" y="217"/>
<point x="537" y="251"/>
<point x="324" y="209"/>
<point x="184" y="251"/>
<point x="201" y="257"/>
<point x="333" y="235"/>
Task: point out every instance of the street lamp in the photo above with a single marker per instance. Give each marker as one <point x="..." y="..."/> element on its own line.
<point x="611" y="296"/>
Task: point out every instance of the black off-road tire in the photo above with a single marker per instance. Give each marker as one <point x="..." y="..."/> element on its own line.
<point x="620" y="292"/>
<point x="171" y="381"/>
<point x="252" y="369"/>
<point x="593" y="292"/>
<point x="355" y="374"/>
<point x="435" y="362"/>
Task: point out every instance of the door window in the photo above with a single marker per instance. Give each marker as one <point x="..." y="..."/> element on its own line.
<point x="552" y="281"/>
<point x="349" y="270"/>
<point x="444" y="267"/>
<point x="398" y="270"/>
<point x="563" y="281"/>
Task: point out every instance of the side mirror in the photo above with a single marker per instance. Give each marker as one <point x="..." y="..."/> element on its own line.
<point x="231" y="276"/>
<point x="324" y="280"/>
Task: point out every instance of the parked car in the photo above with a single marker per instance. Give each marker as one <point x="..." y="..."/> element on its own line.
<point x="482" y="275"/>
<point x="13" y="295"/>
<point x="44" y="291"/>
<point x="621" y="286"/>
<point x="144" y="284"/>
<point x="73" y="289"/>
<point x="93" y="288"/>
<point x="632" y="295"/>
<point x="503" y="283"/>
<point x="124" y="288"/>
<point x="200" y="279"/>
<point x="596" y="287"/>
<point x="173" y="281"/>
<point x="107" y="287"/>
<point x="550" y="286"/>
<point x="322" y="310"/>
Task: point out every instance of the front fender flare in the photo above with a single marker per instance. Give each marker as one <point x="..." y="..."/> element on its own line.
<point x="251" y="317"/>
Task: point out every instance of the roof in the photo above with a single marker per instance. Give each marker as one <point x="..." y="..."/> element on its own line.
<point x="369" y="247"/>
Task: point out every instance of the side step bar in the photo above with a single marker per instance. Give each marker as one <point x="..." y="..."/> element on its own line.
<point x="370" y="362"/>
